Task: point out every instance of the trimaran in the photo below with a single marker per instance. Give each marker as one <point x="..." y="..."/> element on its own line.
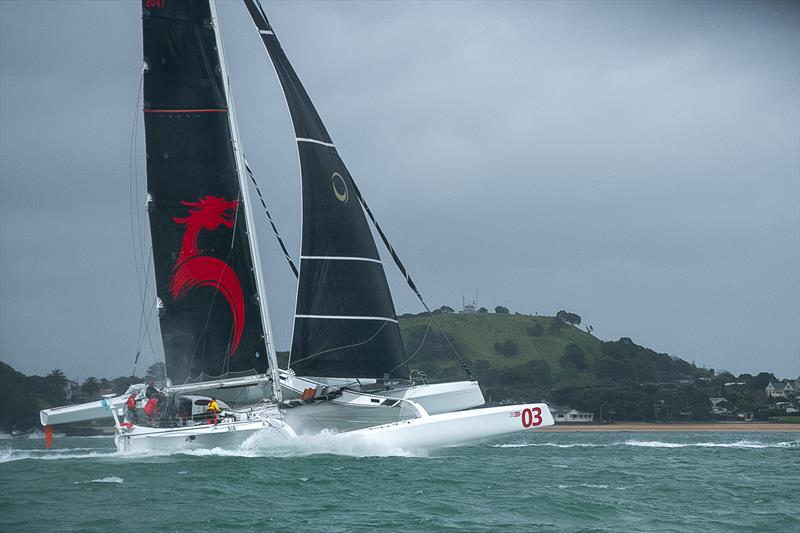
<point x="348" y="372"/>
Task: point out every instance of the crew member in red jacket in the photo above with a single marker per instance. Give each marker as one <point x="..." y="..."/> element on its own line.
<point x="130" y="406"/>
<point x="151" y="410"/>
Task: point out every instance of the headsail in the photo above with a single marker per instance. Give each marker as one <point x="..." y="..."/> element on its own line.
<point x="345" y="323"/>
<point x="211" y="321"/>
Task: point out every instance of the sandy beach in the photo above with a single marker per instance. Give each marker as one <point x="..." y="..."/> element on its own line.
<point x="634" y="427"/>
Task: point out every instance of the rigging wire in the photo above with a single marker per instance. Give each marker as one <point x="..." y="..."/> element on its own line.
<point x="141" y="265"/>
<point x="271" y="221"/>
<point x="144" y="322"/>
<point x="344" y="347"/>
<point x="133" y="186"/>
<point x="421" y="344"/>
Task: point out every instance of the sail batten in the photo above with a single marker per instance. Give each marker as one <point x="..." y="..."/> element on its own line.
<point x="339" y="258"/>
<point x="345" y="322"/>
<point x="335" y="317"/>
<point x="315" y="141"/>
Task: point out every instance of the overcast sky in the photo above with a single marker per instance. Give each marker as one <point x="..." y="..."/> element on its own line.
<point x="636" y="163"/>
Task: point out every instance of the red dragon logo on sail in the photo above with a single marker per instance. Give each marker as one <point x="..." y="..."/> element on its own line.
<point x="193" y="270"/>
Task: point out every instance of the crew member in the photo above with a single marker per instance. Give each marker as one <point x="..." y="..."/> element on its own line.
<point x="151" y="410"/>
<point x="130" y="406"/>
<point x="213" y="411"/>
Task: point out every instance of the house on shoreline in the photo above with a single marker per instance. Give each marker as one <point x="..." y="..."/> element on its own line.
<point x="781" y="389"/>
<point x="562" y="414"/>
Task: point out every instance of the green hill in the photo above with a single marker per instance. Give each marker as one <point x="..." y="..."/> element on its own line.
<point x="523" y="358"/>
<point x="477" y="334"/>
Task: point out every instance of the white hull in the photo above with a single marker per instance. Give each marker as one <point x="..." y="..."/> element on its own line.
<point x="416" y="417"/>
<point x="443" y="397"/>
<point x="224" y="435"/>
<point x="422" y="433"/>
<point x="446" y="429"/>
<point x="434" y="398"/>
<point x="358" y="410"/>
<point x="348" y="412"/>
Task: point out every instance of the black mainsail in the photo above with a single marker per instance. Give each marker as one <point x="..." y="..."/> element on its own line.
<point x="345" y="323"/>
<point x="210" y="316"/>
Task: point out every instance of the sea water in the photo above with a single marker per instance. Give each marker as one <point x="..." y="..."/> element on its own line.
<point x="526" y="482"/>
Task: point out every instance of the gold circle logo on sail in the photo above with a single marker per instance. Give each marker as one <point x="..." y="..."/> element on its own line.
<point x="340" y="187"/>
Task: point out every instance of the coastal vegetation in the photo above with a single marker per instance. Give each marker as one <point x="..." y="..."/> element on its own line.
<point x="519" y="358"/>
<point x="516" y="358"/>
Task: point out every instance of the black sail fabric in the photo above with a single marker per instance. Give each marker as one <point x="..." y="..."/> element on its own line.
<point x="209" y="308"/>
<point x="345" y="323"/>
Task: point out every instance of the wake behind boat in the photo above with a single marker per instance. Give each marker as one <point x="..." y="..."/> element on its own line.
<point x="348" y="372"/>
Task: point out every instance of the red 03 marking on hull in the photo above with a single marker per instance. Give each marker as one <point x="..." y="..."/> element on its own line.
<point x="531" y="417"/>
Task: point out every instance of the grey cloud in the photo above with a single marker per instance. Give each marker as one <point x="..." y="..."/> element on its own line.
<point x="637" y="163"/>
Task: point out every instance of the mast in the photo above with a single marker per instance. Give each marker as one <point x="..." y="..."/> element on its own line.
<point x="245" y="190"/>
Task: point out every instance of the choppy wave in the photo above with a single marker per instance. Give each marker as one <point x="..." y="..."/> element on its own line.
<point x="36" y="434"/>
<point x="621" y="482"/>
<point x="324" y="443"/>
<point x="741" y="444"/>
<point x="9" y="455"/>
<point x="260" y="444"/>
<point x="596" y="486"/>
<point x="110" y="479"/>
<point x="585" y="485"/>
<point x="268" y="444"/>
<point x="548" y="444"/>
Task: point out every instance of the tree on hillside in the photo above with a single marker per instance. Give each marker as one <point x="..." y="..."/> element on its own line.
<point x="57" y="377"/>
<point x="573" y="357"/>
<point x="446" y="309"/>
<point x="675" y="403"/>
<point x="724" y="375"/>
<point x="483" y="310"/>
<point x="611" y="369"/>
<point x="500" y="309"/>
<point x="90" y="387"/>
<point x="157" y="371"/>
<point x="540" y="372"/>
<point x="121" y="384"/>
<point x="569" y="318"/>
<point x="762" y="379"/>
<point x="508" y="347"/>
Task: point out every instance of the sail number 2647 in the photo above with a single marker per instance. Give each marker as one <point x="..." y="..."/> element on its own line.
<point x="531" y="417"/>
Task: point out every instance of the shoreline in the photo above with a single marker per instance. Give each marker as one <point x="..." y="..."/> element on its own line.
<point x="678" y="427"/>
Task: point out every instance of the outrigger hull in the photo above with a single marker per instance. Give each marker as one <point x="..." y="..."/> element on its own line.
<point x="447" y="429"/>
<point x="226" y="436"/>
